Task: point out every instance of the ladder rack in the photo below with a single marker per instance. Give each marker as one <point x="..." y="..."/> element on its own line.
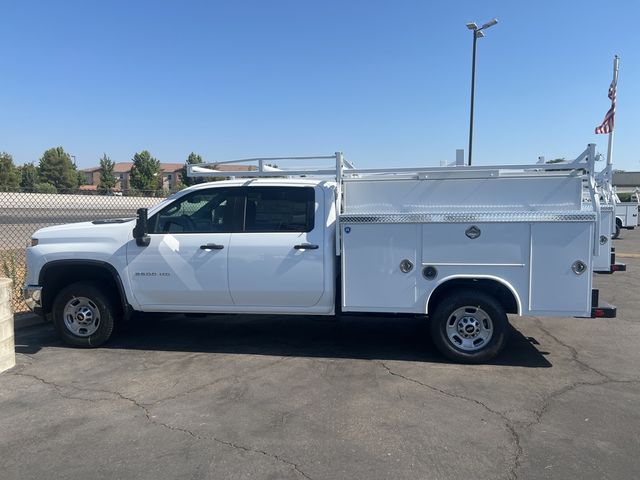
<point x="343" y="170"/>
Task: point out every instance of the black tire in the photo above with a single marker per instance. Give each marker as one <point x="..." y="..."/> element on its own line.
<point x="617" y="232"/>
<point x="96" y="333"/>
<point x="485" y="306"/>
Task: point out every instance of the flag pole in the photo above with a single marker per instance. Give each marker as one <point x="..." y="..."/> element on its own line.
<point x="616" y="59"/>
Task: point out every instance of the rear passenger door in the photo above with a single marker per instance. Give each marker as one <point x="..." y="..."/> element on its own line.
<point x="278" y="258"/>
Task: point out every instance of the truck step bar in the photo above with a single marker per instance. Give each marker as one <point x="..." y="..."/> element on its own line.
<point x="616" y="266"/>
<point x="601" y="309"/>
<point x="613" y="266"/>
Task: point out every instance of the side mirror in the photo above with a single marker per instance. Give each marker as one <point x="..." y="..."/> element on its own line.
<point x="141" y="230"/>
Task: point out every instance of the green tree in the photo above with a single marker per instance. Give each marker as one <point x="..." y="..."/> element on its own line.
<point x="107" y="177"/>
<point x="29" y="176"/>
<point x="9" y="174"/>
<point x="146" y="175"/>
<point x="57" y="169"/>
<point x="192" y="159"/>
<point x="44" y="187"/>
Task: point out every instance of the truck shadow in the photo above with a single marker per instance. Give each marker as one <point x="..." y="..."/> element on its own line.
<point x="380" y="338"/>
<point x="346" y="337"/>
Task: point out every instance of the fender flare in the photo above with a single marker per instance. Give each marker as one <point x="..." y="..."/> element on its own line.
<point x="126" y="306"/>
<point x="494" y="278"/>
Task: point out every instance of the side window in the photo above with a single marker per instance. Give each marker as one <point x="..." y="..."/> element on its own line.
<point x="279" y="209"/>
<point x="216" y="210"/>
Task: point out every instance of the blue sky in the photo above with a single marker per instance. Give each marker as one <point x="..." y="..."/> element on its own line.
<point x="387" y="82"/>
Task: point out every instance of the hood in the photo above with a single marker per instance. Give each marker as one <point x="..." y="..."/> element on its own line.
<point x="96" y="231"/>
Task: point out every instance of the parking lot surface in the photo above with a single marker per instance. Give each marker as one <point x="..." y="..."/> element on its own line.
<point x="319" y="398"/>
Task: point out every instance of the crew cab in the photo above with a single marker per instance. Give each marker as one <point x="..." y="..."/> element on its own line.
<point x="460" y="247"/>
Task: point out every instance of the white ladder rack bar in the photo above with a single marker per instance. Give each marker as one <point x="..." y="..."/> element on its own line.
<point x="344" y="170"/>
<point x="584" y="161"/>
<point x="198" y="171"/>
<point x="271" y="159"/>
<point x="262" y="170"/>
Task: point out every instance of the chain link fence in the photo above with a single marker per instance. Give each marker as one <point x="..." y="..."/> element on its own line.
<point x="23" y="212"/>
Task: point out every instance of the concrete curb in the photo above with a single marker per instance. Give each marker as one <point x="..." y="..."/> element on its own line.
<point x="7" y="343"/>
<point x="27" y="319"/>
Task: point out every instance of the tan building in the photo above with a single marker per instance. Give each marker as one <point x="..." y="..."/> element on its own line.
<point x="122" y="170"/>
<point x="171" y="175"/>
<point x="626" y="181"/>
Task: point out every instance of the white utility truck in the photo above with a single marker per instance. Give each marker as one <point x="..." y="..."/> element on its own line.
<point x="462" y="247"/>
<point x="602" y="262"/>
<point x="626" y="215"/>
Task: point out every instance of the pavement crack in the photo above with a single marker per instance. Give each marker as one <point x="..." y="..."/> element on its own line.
<point x="189" y="391"/>
<point x="508" y="423"/>
<point x="549" y="399"/>
<point x="539" y="413"/>
<point x="277" y="457"/>
<point x="214" y="382"/>
<point x="572" y="351"/>
<point x="59" y="389"/>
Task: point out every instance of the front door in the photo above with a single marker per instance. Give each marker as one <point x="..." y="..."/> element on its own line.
<point x="278" y="258"/>
<point x="184" y="268"/>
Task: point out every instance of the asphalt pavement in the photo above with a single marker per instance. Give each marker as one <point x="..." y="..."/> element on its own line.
<point x="318" y="398"/>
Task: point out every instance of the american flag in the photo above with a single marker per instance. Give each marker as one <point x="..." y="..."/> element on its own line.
<point x="607" y="123"/>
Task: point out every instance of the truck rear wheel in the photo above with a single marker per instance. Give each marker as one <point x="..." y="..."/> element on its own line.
<point x="83" y="315"/>
<point x="469" y="327"/>
<point x="617" y="232"/>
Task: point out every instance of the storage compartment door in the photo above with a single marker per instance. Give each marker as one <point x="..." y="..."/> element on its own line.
<point x="371" y="275"/>
<point x="602" y="261"/>
<point x="555" y="288"/>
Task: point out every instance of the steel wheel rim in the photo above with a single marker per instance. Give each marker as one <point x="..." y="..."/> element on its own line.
<point x="81" y="316"/>
<point x="469" y="328"/>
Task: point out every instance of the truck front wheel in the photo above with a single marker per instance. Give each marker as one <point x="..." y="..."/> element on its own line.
<point x="83" y="315"/>
<point x="469" y="327"/>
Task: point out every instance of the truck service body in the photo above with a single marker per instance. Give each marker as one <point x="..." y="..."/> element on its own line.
<point x="461" y="246"/>
<point x="602" y="262"/>
<point x="626" y="214"/>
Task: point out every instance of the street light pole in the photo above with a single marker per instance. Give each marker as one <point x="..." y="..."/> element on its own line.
<point x="477" y="33"/>
<point x="473" y="92"/>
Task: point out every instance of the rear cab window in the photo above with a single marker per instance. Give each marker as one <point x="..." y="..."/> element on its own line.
<point x="279" y="209"/>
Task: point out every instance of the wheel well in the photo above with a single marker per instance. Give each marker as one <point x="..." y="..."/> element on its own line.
<point x="55" y="277"/>
<point x="498" y="290"/>
<point x="619" y="221"/>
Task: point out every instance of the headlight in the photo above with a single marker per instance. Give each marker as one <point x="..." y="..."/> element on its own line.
<point x="34" y="242"/>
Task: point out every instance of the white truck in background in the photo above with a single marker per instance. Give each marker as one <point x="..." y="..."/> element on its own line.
<point x="602" y="263"/>
<point x="462" y="247"/>
<point x="626" y="214"/>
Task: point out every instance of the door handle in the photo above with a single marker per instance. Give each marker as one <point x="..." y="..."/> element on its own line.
<point x="306" y="246"/>
<point x="211" y="246"/>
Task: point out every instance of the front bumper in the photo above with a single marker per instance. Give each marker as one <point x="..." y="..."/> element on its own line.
<point x="32" y="295"/>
